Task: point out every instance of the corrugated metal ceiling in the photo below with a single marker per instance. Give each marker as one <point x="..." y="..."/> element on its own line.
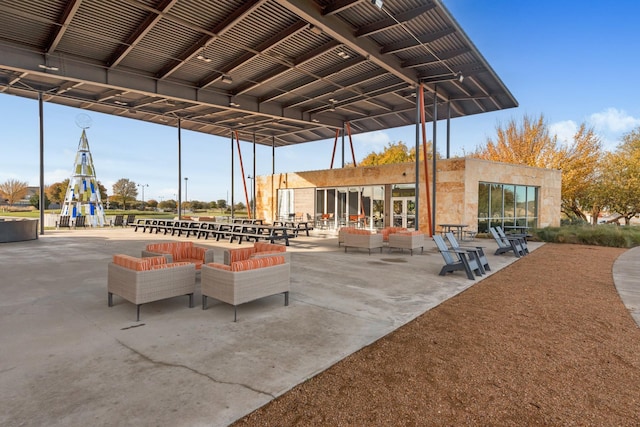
<point x="286" y="71"/>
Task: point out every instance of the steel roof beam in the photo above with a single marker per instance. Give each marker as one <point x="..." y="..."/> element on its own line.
<point x="339" y="6"/>
<point x="248" y="56"/>
<point x="336" y="28"/>
<point x="209" y="36"/>
<point x="389" y="22"/>
<point x="66" y="18"/>
<point x="139" y="33"/>
<point x="411" y="43"/>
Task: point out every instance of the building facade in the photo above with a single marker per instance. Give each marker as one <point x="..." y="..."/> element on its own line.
<point x="475" y="192"/>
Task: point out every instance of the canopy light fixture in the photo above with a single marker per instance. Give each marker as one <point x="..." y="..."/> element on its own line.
<point x="443" y="78"/>
<point x="226" y="79"/>
<point x="377" y="3"/>
<point x="315" y="30"/>
<point x="201" y="57"/>
<point x="233" y="104"/>
<point x="47" y="67"/>
<point x="344" y="55"/>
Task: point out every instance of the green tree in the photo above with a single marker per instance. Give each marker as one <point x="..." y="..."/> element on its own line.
<point x="152" y="203"/>
<point x="34" y="200"/>
<point x="213" y="204"/>
<point x="222" y="203"/>
<point x="168" y="204"/>
<point x="103" y="191"/>
<point x="125" y="191"/>
<point x="197" y="205"/>
<point x="13" y="190"/>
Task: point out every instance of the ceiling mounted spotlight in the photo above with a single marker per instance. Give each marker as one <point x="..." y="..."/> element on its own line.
<point x="377" y="3"/>
<point x="315" y="30"/>
<point x="201" y="57"/>
<point x="47" y="67"/>
<point x="226" y="79"/>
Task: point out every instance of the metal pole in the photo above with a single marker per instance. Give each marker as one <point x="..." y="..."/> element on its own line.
<point x="433" y="183"/>
<point x="232" y="172"/>
<point x="343" y="132"/>
<point x="417" y="185"/>
<point x="179" y="169"/>
<point x="448" y="129"/>
<point x="42" y="204"/>
<point x="253" y="187"/>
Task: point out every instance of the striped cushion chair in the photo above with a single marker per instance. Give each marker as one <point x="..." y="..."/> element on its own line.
<point x="180" y="252"/>
<point x="258" y="250"/>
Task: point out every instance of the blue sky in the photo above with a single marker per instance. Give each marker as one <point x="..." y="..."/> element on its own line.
<point x="573" y="61"/>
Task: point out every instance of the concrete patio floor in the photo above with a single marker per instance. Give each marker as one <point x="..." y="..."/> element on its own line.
<point x="68" y="359"/>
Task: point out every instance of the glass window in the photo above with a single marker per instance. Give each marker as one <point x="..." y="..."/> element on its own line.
<point x="506" y="205"/>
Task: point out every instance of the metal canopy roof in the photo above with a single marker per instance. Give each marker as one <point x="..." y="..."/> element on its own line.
<point x="290" y="71"/>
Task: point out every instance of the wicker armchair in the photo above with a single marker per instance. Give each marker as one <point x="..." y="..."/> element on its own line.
<point x="245" y="281"/>
<point x="143" y="280"/>
<point x="364" y="239"/>
<point x="407" y="240"/>
<point x="258" y="250"/>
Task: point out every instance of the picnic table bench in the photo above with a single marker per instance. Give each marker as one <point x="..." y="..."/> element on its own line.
<point x="295" y="226"/>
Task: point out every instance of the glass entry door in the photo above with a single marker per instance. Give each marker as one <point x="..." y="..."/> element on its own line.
<point x="404" y="211"/>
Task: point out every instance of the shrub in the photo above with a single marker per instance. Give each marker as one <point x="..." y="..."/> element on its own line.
<point x="599" y="235"/>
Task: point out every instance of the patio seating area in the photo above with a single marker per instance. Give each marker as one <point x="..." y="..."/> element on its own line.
<point x="69" y="356"/>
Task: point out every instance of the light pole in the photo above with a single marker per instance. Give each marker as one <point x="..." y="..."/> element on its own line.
<point x="142" y="187"/>
<point x="186" y="197"/>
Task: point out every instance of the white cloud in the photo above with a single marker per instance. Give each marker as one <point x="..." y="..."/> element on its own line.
<point x="371" y="141"/>
<point x="613" y="120"/>
<point x="565" y="130"/>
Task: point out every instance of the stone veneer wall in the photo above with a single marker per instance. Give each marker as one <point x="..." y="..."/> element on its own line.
<point x="457" y="187"/>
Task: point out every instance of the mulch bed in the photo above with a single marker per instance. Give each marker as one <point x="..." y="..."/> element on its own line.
<point x="544" y="341"/>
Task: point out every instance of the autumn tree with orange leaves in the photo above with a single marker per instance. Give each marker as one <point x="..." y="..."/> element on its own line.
<point x="530" y="143"/>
